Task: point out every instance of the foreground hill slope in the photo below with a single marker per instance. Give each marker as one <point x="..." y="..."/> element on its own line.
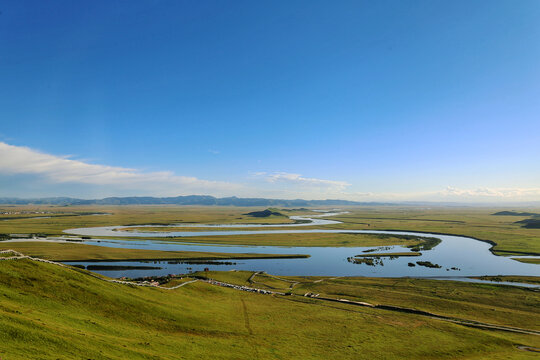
<point x="51" y="312"/>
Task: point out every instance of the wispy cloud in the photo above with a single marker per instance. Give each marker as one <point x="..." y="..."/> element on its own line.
<point x="53" y="170"/>
<point x="300" y="180"/>
<point x="461" y="195"/>
<point x="504" y="193"/>
<point x="62" y="169"/>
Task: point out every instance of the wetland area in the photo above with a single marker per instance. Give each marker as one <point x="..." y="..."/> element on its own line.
<point x="289" y="269"/>
<point x="447" y="258"/>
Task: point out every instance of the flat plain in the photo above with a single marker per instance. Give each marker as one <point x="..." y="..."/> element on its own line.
<point x="505" y="233"/>
<point x="65" y="313"/>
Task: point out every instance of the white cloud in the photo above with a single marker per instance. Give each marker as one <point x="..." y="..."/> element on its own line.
<point x="300" y="180"/>
<point x="61" y="173"/>
<point x="459" y="195"/>
<point x="501" y="193"/>
<point x="61" y="169"/>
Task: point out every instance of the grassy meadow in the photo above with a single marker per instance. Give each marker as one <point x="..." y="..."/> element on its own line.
<point x="314" y="239"/>
<point x="83" y="252"/>
<point x="124" y="215"/>
<point x="528" y="260"/>
<point x="508" y="237"/>
<point x="50" y="312"/>
<point x="496" y="304"/>
<point x="510" y="278"/>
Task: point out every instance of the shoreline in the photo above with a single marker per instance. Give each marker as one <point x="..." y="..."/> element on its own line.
<point x="491" y="242"/>
<point x="285" y="256"/>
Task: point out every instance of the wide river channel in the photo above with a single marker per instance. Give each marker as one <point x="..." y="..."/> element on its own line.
<point x="458" y="256"/>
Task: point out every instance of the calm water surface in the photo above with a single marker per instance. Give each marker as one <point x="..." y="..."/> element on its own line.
<point x="470" y="256"/>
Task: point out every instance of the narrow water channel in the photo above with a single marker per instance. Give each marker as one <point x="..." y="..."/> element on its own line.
<point x="457" y="256"/>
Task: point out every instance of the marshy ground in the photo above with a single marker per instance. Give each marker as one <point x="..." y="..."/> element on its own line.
<point x="55" y="312"/>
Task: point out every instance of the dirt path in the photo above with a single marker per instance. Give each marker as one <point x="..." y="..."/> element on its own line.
<point x="246" y="317"/>
<point x="293" y="283"/>
<point x="470" y="323"/>
<point x="332" y="278"/>
<point x="529" y="348"/>
<point x="18" y="256"/>
<point x="464" y="322"/>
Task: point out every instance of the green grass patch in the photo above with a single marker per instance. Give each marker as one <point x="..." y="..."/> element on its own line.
<point x="82" y="252"/>
<point x="309" y="239"/>
<point x="49" y="312"/>
<point x="497" y="304"/>
<point x="510" y="278"/>
<point x="508" y="237"/>
<point x="528" y="260"/>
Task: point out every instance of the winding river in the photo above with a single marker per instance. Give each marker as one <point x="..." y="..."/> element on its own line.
<point x="458" y="256"/>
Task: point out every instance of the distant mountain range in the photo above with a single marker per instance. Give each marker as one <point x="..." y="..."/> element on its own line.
<point x="183" y="200"/>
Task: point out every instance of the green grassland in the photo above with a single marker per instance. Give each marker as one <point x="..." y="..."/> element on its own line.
<point x="496" y="304"/>
<point x="6" y="254"/>
<point x="83" y="252"/>
<point x="508" y="237"/>
<point x="128" y="215"/>
<point x="528" y="260"/>
<point x="50" y="312"/>
<point x="313" y="239"/>
<point x="151" y="229"/>
<point x="176" y="281"/>
<point x="510" y="278"/>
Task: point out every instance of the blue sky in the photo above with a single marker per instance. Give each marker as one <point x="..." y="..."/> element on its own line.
<point x="378" y="100"/>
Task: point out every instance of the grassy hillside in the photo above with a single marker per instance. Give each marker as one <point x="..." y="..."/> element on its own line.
<point x="503" y="305"/>
<point x="265" y="213"/>
<point x="49" y="312"/>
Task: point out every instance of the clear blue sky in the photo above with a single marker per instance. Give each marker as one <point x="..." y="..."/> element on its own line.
<point x="353" y="99"/>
